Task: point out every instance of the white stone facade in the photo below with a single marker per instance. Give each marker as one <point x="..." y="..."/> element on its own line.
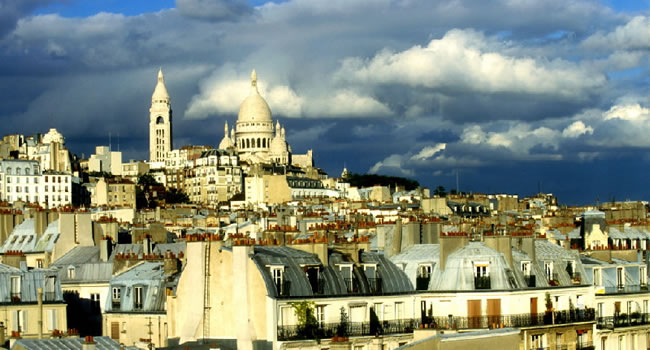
<point x="160" y="122"/>
<point x="22" y="180"/>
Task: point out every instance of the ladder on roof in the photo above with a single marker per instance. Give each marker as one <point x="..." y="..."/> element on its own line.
<point x="206" y="292"/>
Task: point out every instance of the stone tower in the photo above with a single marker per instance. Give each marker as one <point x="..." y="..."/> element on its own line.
<point x="160" y="122"/>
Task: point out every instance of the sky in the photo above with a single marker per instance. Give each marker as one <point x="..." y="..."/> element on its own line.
<point x="500" y="96"/>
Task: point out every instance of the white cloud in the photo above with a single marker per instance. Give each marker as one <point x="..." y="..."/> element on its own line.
<point x="467" y="60"/>
<point x="628" y="112"/>
<point x="429" y="151"/>
<point x="391" y="165"/>
<point x="635" y="34"/>
<point x="577" y="129"/>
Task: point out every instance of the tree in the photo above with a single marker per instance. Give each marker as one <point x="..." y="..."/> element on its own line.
<point x="440" y="191"/>
<point x="147" y="180"/>
<point x="342" y="329"/>
<point x="307" y="323"/>
<point x="176" y="196"/>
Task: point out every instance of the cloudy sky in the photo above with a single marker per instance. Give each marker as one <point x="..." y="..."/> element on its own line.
<point x="511" y="95"/>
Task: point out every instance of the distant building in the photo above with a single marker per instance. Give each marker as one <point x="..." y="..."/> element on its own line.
<point x="160" y="123"/>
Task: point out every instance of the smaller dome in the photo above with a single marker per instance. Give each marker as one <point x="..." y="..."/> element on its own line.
<point x="53" y="136"/>
<point x="254" y="108"/>
<point x="160" y="92"/>
<point x="226" y="143"/>
<point x="278" y="145"/>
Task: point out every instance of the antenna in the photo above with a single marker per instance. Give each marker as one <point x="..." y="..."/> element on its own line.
<point x="457" y="192"/>
<point x="118" y="141"/>
<point x="109" y="141"/>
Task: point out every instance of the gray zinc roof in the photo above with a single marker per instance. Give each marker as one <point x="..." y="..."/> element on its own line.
<point x="101" y="343"/>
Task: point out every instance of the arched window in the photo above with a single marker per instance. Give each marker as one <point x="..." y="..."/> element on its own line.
<point x="248" y="143"/>
<point x="259" y="142"/>
<point x="160" y="120"/>
<point x="18" y="171"/>
<point x="8" y="171"/>
<point x="264" y="143"/>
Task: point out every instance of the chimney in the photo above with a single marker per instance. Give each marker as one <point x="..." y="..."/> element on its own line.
<point x="105" y="249"/>
<point x="40" y="222"/>
<point x="14" y="258"/>
<point x="39" y="302"/>
<point x="397" y="237"/>
<point x="170" y="263"/>
<point x="146" y="245"/>
<point x="502" y="244"/>
<point x="448" y="245"/>
<point x="88" y="343"/>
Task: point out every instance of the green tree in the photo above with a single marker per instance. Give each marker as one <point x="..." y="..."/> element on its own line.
<point x="174" y="195"/>
<point x="342" y="329"/>
<point x="307" y="323"/>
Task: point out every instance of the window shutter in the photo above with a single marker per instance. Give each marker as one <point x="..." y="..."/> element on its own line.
<point x="14" y="321"/>
<point x="51" y="320"/>
<point x="23" y="319"/>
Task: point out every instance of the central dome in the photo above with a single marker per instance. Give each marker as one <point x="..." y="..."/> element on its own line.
<point x="254" y="108"/>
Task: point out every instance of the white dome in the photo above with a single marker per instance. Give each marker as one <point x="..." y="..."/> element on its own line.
<point x="226" y="143"/>
<point x="160" y="92"/>
<point x="254" y="108"/>
<point x="278" y="145"/>
<point x="53" y="136"/>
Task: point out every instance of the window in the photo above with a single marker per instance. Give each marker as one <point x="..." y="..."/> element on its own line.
<point x="320" y="314"/>
<point x="19" y="323"/>
<point x="116" y="294"/>
<point x="548" y="269"/>
<point x="15" y="288"/>
<point x="620" y="277"/>
<point x="51" y="320"/>
<point x="597" y="277"/>
<point x="71" y="273"/>
<point x="600" y="310"/>
<point x="399" y="310"/>
<point x="525" y="268"/>
<point x="537" y="341"/>
<point x="643" y="276"/>
<point x="277" y="273"/>
<point x="137" y="298"/>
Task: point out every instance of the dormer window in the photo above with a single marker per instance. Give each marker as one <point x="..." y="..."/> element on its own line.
<point x="423" y="277"/>
<point x="597" y="277"/>
<point x="281" y="286"/>
<point x="548" y="270"/>
<point x="71" y="273"/>
<point x="15" y="288"/>
<point x="525" y="268"/>
<point x="138" y="298"/>
<point x="346" y="273"/>
<point x="620" y="277"/>
<point x="482" y="275"/>
<point x="116" y="297"/>
<point x="643" y="276"/>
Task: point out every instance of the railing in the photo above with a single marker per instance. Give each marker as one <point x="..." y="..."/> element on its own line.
<point x="283" y="287"/>
<point x="116" y="304"/>
<point x="628" y="288"/>
<point x="586" y="345"/>
<point x="375" y="285"/>
<point x="530" y="280"/>
<point x="351" y="329"/>
<point x="623" y="320"/>
<point x="482" y="282"/>
<point x="319" y="286"/>
<point x="49" y="296"/>
<point x="422" y="283"/>
<point x="576" y="278"/>
<point x="327" y="330"/>
<point x="352" y="285"/>
<point x="137" y="306"/>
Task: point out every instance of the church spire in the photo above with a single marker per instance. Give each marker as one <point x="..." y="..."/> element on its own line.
<point x="160" y="92"/>
<point x="225" y="129"/>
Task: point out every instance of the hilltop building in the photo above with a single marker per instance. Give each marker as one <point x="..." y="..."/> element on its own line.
<point x="160" y="122"/>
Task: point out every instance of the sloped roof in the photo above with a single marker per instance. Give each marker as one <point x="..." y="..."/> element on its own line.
<point x="101" y="343"/>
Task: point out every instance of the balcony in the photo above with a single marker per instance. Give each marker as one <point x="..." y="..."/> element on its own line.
<point x="576" y="278"/>
<point x="623" y="320"/>
<point x="587" y="345"/>
<point x="626" y="289"/>
<point x="318" y="286"/>
<point x="482" y="282"/>
<point x="422" y="282"/>
<point x="283" y="288"/>
<point x="374" y="285"/>
<point x="15" y="297"/>
<point x="357" y="329"/>
<point x="352" y="285"/>
<point x="530" y="281"/>
<point x="49" y="296"/>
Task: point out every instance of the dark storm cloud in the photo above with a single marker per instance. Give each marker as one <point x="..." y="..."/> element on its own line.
<point x="378" y="85"/>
